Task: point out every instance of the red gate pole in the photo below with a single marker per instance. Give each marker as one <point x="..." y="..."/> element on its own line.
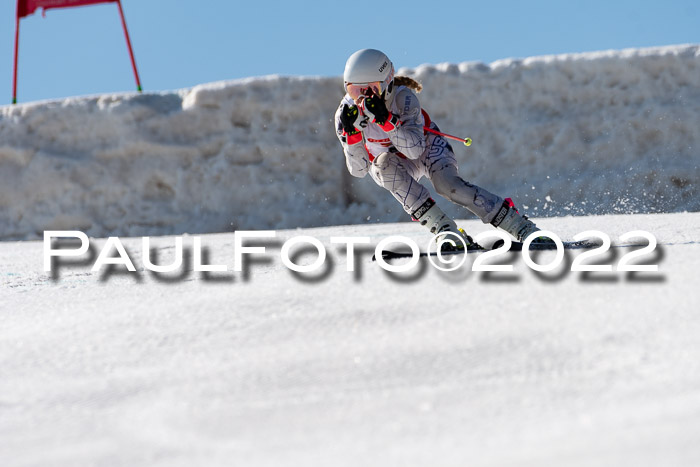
<point x="14" y="75"/>
<point x="128" y="44"/>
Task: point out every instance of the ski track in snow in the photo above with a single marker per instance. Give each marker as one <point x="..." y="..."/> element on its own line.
<point x="354" y="368"/>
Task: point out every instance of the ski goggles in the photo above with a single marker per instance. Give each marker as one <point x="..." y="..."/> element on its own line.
<point x="355" y="90"/>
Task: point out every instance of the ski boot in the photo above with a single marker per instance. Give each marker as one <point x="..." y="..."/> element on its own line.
<point x="431" y="216"/>
<point x="519" y="226"/>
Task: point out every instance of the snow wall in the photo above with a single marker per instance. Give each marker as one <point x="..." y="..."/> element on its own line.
<point x="593" y="133"/>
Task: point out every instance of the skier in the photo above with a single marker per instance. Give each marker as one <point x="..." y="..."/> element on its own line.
<point x="380" y="125"/>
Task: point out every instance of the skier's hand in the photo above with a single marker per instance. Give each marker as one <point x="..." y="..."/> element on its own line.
<point x="375" y="109"/>
<point x="353" y="123"/>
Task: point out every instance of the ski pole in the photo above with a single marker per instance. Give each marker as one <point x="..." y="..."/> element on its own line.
<point x="466" y="141"/>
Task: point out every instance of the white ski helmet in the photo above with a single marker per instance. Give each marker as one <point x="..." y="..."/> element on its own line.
<point x="369" y="69"/>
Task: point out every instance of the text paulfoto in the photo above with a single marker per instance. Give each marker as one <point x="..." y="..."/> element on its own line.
<point x="54" y="250"/>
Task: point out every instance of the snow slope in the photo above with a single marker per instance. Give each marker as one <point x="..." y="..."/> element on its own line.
<point x="608" y="132"/>
<point x="269" y="368"/>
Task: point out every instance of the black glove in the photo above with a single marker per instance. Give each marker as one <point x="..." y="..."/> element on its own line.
<point x="376" y="110"/>
<point x="348" y="117"/>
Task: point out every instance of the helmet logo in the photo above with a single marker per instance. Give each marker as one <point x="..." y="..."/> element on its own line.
<point x="381" y="68"/>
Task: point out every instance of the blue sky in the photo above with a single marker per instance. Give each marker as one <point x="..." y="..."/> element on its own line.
<point x="178" y="44"/>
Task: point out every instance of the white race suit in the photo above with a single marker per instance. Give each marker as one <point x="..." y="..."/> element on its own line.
<point x="397" y="159"/>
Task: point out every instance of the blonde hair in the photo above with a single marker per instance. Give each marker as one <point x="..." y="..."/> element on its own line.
<point x="408" y="82"/>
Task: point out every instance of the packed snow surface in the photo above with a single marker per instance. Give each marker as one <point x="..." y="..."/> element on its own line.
<point x="593" y="133"/>
<point x="337" y="368"/>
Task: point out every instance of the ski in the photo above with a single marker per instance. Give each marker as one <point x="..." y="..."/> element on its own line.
<point x="390" y="254"/>
<point x="518" y="246"/>
<point x="514" y="246"/>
